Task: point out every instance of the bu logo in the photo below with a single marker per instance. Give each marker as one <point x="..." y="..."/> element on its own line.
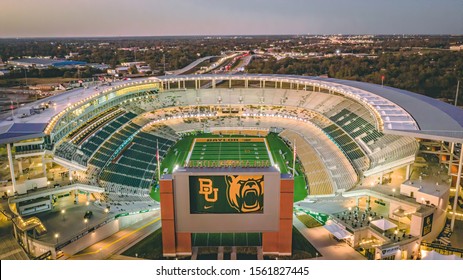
<point x="206" y="189"/>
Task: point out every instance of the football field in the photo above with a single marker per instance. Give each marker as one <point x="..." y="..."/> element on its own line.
<point x="247" y="151"/>
<point x="212" y="149"/>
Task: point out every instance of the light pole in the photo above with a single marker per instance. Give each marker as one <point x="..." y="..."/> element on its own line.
<point x="56" y="236"/>
<point x="86" y="223"/>
<point x="393" y="192"/>
<point x="63" y="211"/>
<point x="12" y="109"/>
<point x="25" y="75"/>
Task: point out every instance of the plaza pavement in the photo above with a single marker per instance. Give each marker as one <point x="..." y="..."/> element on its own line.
<point x="329" y="248"/>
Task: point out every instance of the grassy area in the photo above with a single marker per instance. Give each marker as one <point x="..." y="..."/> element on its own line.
<point x="300" y="191"/>
<point x="284" y="160"/>
<point x="226" y="239"/>
<point x="149" y="248"/>
<point x="246" y="253"/>
<point x="176" y="156"/>
<point x="302" y="249"/>
<point x="321" y="218"/>
<point x="308" y="221"/>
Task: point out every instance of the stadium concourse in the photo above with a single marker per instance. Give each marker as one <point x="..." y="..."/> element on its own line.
<point x="364" y="153"/>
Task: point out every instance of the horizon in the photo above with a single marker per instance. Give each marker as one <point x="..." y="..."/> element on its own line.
<point x="215" y="36"/>
<point x="68" y="19"/>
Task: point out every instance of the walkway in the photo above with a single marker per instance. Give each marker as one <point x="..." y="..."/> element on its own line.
<point x="329" y="248"/>
<point x="120" y="241"/>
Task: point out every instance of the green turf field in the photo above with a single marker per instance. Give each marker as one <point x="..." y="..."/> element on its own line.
<point x="281" y="154"/>
<point x="176" y="156"/>
<point x="283" y="157"/>
<point x="226" y="239"/>
<point x="249" y="151"/>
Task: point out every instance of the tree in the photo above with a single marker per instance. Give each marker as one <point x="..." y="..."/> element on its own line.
<point x="133" y="69"/>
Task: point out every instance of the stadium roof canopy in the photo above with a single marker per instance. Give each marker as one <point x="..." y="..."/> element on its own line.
<point x="45" y="62"/>
<point x="15" y="132"/>
<point x="402" y="112"/>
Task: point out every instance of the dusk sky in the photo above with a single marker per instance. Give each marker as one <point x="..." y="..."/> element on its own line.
<point x="59" y="18"/>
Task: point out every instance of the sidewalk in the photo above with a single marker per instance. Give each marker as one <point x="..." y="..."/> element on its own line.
<point x="329" y="248"/>
<point x="120" y="241"/>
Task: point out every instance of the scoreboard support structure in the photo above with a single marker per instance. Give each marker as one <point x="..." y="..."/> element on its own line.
<point x="173" y="243"/>
<point x="275" y="223"/>
<point x="280" y="242"/>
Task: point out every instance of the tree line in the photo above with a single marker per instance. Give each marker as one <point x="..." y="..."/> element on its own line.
<point x="434" y="74"/>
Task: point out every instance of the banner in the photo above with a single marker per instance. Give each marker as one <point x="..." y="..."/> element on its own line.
<point x="202" y="140"/>
<point x="427" y="225"/>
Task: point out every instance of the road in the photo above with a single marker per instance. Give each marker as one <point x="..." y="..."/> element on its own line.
<point x="190" y="66"/>
<point x="120" y="241"/>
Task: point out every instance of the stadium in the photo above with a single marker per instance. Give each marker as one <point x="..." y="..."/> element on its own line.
<point x="381" y="165"/>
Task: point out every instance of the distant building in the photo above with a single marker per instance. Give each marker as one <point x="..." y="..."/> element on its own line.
<point x="45" y="63"/>
<point x="456" y="48"/>
<point x="123" y="69"/>
<point x="143" y="69"/>
<point x="98" y="66"/>
<point x="43" y="87"/>
<point x="132" y="63"/>
<point x="111" y="71"/>
<point x="71" y="55"/>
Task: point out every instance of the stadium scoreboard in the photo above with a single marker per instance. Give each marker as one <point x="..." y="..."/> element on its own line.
<point x="226" y="199"/>
<point x="226" y="194"/>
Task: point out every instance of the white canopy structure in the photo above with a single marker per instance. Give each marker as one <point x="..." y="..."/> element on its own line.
<point x="433" y="255"/>
<point x="384" y="224"/>
<point x="336" y="230"/>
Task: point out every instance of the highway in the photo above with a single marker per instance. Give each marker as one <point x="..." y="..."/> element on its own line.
<point x="120" y="241"/>
<point x="190" y="66"/>
<point x="242" y="64"/>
